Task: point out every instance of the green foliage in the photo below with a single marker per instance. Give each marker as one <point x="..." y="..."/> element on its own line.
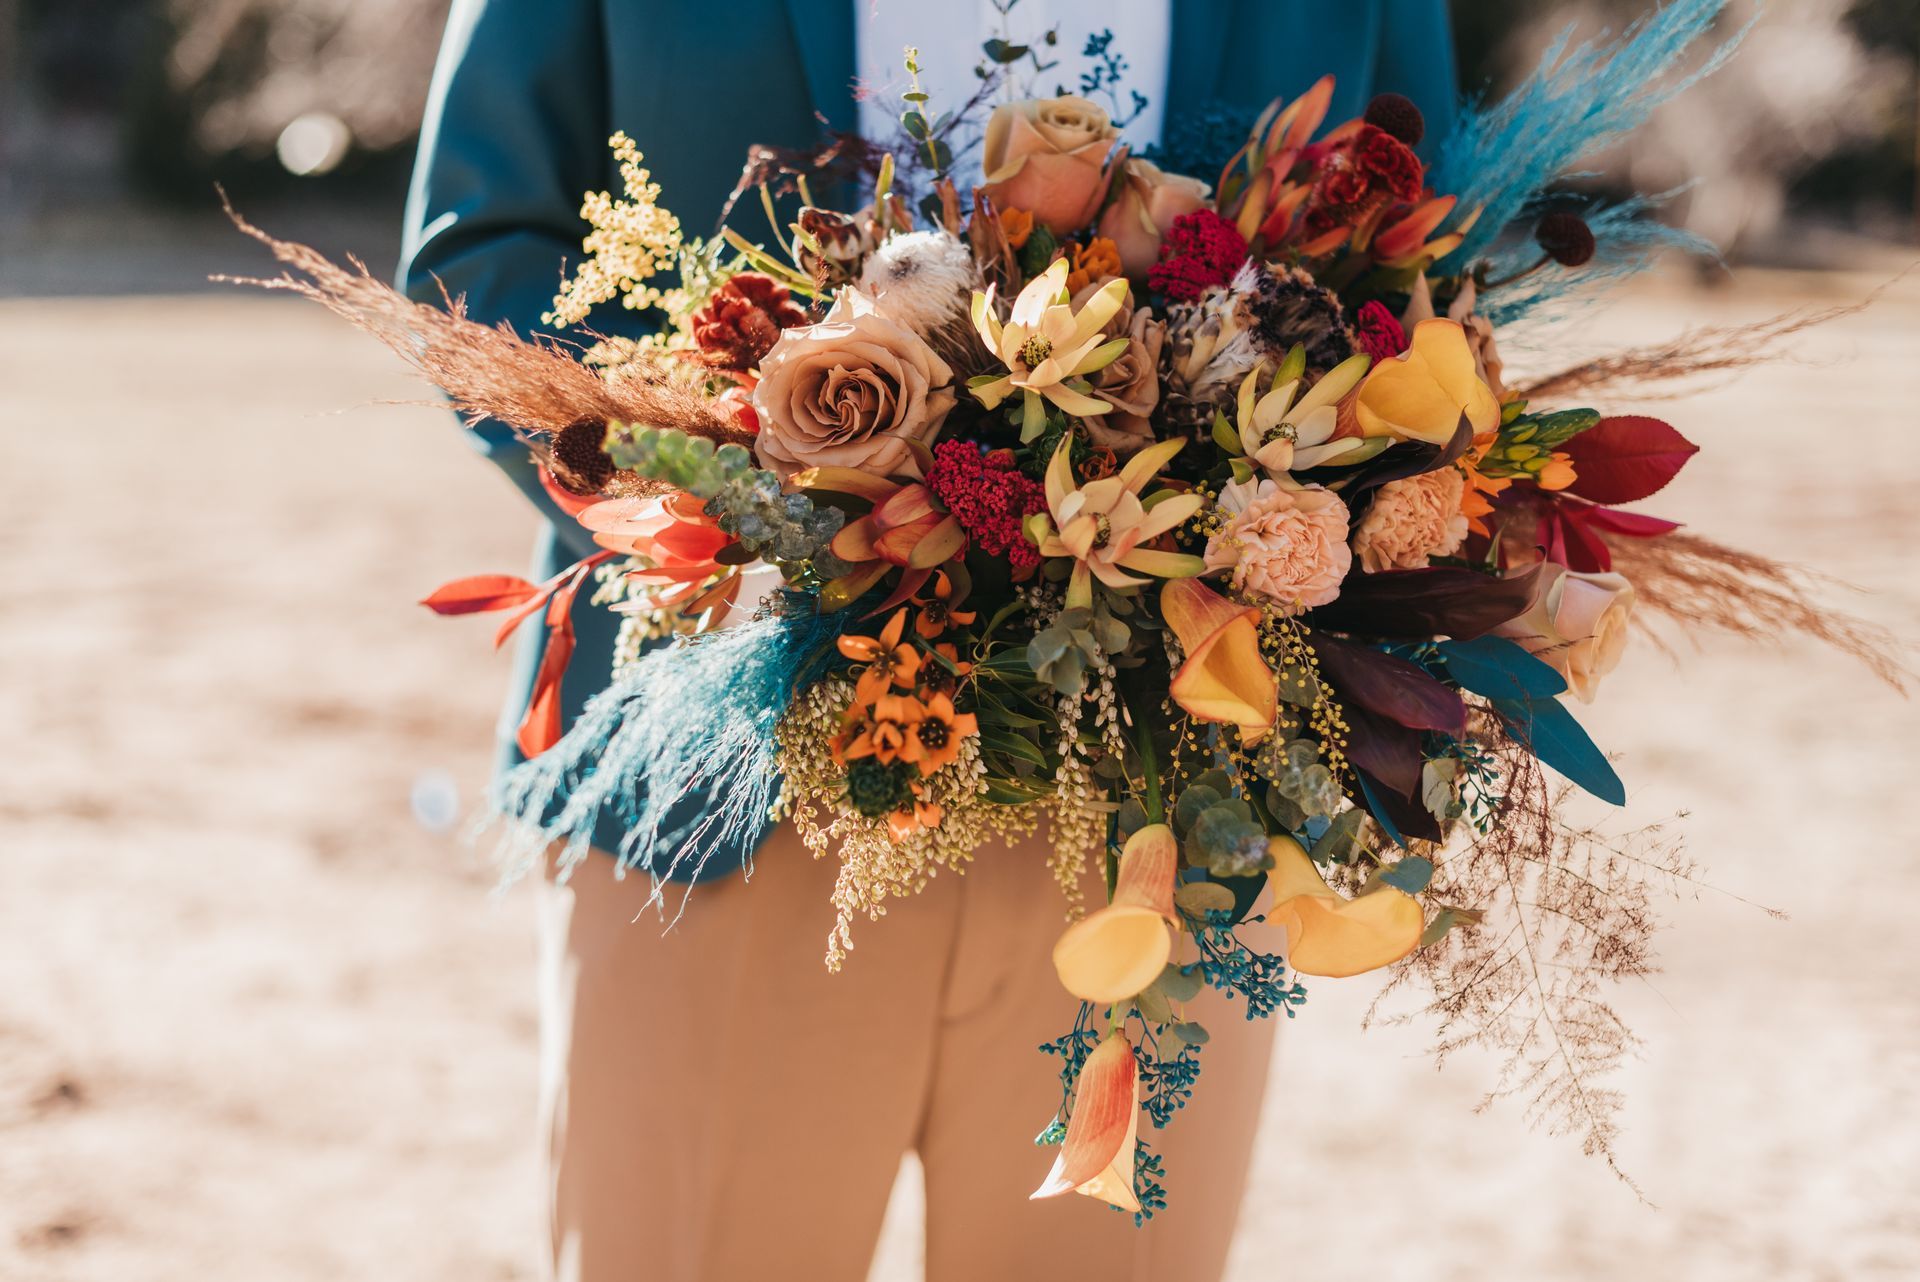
<point x="1300" y="786"/>
<point x="1218" y="831"/>
<point x="875" y="790"/>
<point x="1061" y="653"/>
<point x="1526" y="443"/>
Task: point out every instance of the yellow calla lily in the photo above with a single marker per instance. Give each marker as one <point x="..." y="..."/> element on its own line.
<point x="1225" y="678"/>
<point x="1096" y="1159"/>
<point x="1111" y="954"/>
<point x="1421" y="394"/>
<point x="1331" y="936"/>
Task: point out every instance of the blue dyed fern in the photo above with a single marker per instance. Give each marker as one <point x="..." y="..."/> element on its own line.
<point x="1503" y="158"/>
<point x="681" y="747"/>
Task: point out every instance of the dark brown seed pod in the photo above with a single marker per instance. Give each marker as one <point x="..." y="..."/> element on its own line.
<point x="1566" y="238"/>
<point x="579" y="462"/>
<point x="1396" y="114"/>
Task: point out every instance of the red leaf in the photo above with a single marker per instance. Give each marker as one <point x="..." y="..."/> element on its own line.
<point x="540" y="727"/>
<point x="1619" y="460"/>
<point x="480" y="593"/>
<point x="1635" y="525"/>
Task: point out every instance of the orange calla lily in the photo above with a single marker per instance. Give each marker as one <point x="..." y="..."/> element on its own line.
<point x="1111" y="954"/>
<point x="1225" y="678"/>
<point x="1421" y="394"/>
<point x="1331" y="936"/>
<point x="1096" y="1158"/>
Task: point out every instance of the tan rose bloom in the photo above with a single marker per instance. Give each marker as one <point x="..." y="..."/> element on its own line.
<point x="850" y="391"/>
<point x="1150" y="199"/>
<point x="1131" y="384"/>
<point x="1579" y="625"/>
<point x="1047" y="156"/>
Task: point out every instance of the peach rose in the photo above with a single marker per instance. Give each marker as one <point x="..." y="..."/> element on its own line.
<point x="1150" y="200"/>
<point x="1579" y="625"/>
<point x="1048" y="156"/>
<point x="1412" y="520"/>
<point x="851" y="391"/>
<point x="1287" y="544"/>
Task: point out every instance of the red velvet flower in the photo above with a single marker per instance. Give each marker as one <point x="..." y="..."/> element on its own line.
<point x="1201" y="250"/>
<point x="1380" y="331"/>
<point x="1389" y="164"/>
<point x="989" y="498"/>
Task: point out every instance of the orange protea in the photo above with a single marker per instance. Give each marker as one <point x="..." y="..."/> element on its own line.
<point x="890" y="660"/>
<point x="677" y="544"/>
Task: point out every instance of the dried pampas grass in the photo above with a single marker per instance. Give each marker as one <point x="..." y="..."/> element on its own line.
<point x="1695" y="582"/>
<point x="488" y="371"/>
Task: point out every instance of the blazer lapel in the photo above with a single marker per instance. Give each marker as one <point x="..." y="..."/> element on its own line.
<point x="823" y="30"/>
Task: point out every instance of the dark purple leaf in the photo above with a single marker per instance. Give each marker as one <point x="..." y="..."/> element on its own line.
<point x="1389" y="685"/>
<point x="1440" y="601"/>
<point x="1384" y="748"/>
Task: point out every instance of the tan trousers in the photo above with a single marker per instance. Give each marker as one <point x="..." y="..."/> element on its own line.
<point x="721" y="1109"/>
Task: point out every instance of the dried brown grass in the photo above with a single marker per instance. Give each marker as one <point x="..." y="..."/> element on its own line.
<point x="487" y="371"/>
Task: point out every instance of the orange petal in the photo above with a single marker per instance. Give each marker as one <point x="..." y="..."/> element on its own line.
<point x="1225" y="677"/>
<point x="1334" y="937"/>
<point x="1096" y="1159"/>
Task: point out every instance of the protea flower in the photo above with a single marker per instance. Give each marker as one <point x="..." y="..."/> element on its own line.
<point x="1331" y="936"/>
<point x="1103" y="524"/>
<point x="1284" y="434"/>
<point x="1096" y="1159"/>
<point x="1048" y="347"/>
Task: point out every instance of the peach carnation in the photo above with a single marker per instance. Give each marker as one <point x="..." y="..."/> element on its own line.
<point x="1412" y="521"/>
<point x="1287" y="544"/>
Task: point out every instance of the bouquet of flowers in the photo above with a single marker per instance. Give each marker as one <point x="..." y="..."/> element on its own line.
<point x="1196" y="523"/>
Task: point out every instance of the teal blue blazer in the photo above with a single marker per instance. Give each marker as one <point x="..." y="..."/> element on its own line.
<point x="526" y="92"/>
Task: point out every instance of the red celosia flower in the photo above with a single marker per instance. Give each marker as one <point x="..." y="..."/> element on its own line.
<point x="989" y="498"/>
<point x="1380" y="331"/>
<point x="1201" y="250"/>
<point x="1389" y="163"/>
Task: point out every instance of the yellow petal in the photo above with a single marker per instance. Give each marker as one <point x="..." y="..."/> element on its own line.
<point x="1142" y="467"/>
<point x="1334" y="937"/>
<point x="1168" y="513"/>
<point x="1059" y="479"/>
<point x="1164" y="565"/>
<point x="1076" y="403"/>
<point x="1099" y="309"/>
<point x="1422" y="393"/>
<point x="1225" y="678"/>
<point x="1112" y="953"/>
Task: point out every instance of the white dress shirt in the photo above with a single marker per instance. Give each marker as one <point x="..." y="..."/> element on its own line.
<point x="949" y="35"/>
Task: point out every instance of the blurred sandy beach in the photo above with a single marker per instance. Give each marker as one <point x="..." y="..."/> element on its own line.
<point x="258" y="1020"/>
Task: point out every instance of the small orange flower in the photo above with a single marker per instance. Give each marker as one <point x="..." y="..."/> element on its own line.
<point x="938" y="733"/>
<point x="936" y="614"/>
<point x="890" y="661"/>
<point x="889" y="735"/>
<point x="902" y="824"/>
<point x="1557" y="474"/>
<point x="1018" y="225"/>
<point x="1097" y="260"/>
<point x="944" y="678"/>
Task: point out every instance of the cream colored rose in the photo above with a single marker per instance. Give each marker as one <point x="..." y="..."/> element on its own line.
<point x="1048" y="157"/>
<point x="1150" y="199"/>
<point x="851" y="391"/>
<point x="1412" y="520"/>
<point x="1285" y="543"/>
<point x="1579" y="625"/>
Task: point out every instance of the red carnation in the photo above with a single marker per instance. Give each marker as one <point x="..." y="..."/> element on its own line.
<point x="1201" y="250"/>
<point x="989" y="498"/>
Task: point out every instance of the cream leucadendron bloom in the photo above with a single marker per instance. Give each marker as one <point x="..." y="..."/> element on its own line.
<point x="1283" y="431"/>
<point x="1048" y="347"/>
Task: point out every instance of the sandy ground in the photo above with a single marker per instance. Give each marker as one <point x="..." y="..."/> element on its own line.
<point x="257" y="1021"/>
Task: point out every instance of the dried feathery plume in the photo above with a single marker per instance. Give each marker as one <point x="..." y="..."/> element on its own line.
<point x="1718" y="349"/>
<point x="487" y="371"/>
<point x="1556" y="914"/>
<point x="1693" y="582"/>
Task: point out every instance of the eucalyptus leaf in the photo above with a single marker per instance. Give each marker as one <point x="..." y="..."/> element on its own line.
<point x="1178" y="983"/>
<point x="1411" y="875"/>
<point x="1191" y="1034"/>
<point x="1152" y="1005"/>
<point x="1339" y="843"/>
<point x="1198" y="898"/>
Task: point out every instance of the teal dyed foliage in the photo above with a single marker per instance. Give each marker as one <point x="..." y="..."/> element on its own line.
<point x="1235" y="970"/>
<point x="1505" y="157"/>
<point x="680" y="746"/>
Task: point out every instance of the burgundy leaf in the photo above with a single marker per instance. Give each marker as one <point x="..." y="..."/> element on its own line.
<point x="1384" y="748"/>
<point x="1440" y="601"/>
<point x="1635" y="525"/>
<point x="1619" y="460"/>
<point x="1395" y="688"/>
